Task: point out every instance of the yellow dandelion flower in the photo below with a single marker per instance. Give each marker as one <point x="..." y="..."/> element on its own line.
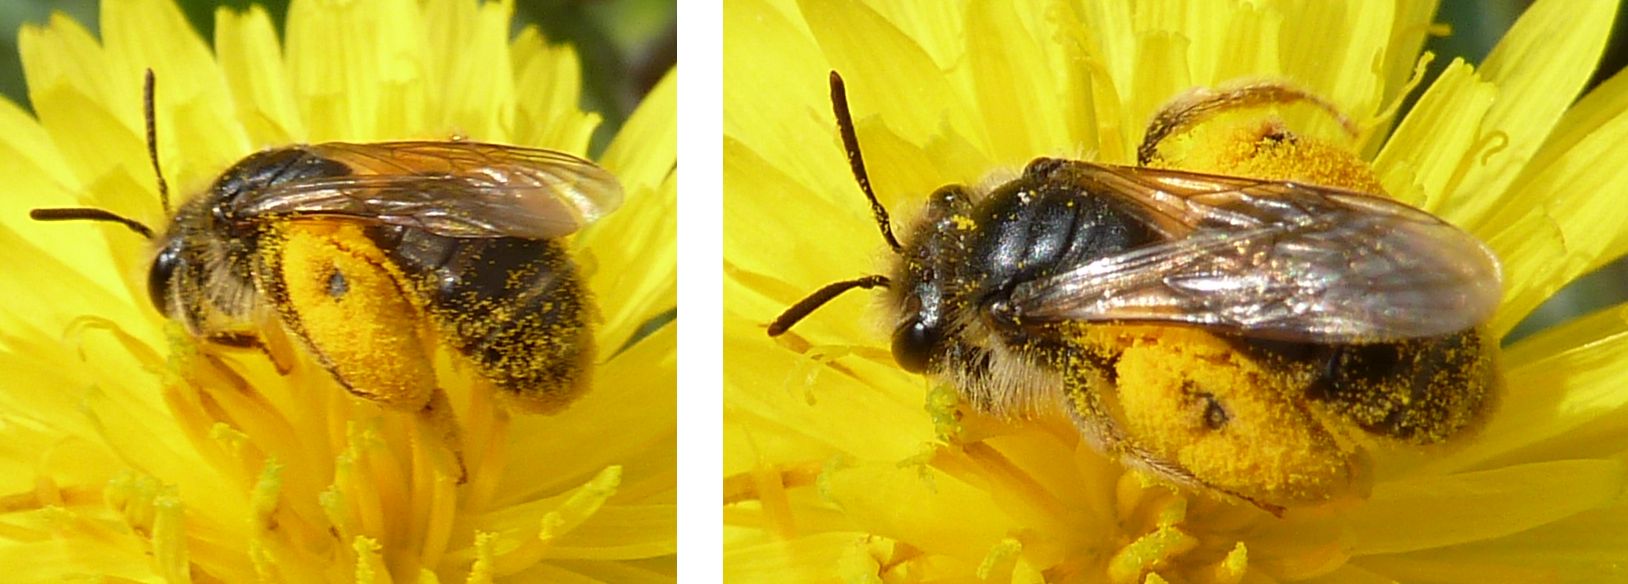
<point x="839" y="465"/>
<point x="136" y="453"/>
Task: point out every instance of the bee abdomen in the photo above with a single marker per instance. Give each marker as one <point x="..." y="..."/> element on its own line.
<point x="516" y="307"/>
<point x="1421" y="391"/>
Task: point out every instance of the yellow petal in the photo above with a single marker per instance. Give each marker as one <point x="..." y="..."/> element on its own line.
<point x="640" y="234"/>
<point x="358" y="69"/>
<point x="793" y="223"/>
<point x="645" y="151"/>
<point x="595" y="572"/>
<point x="549" y="81"/>
<point x="775" y="59"/>
<point x="69" y="293"/>
<point x="1161" y="73"/>
<point x="1556" y="224"/>
<point x="939" y="27"/>
<point x="1015" y="92"/>
<point x="907" y="89"/>
<point x="627" y="532"/>
<point x="1587" y="547"/>
<point x="191" y="97"/>
<point x="246" y="44"/>
<point x="469" y="100"/>
<point x="772" y="387"/>
<point x="58" y="560"/>
<point x="1249" y="46"/>
<point x="643" y="375"/>
<point x="1539" y="67"/>
<point x="29" y="149"/>
<point x="1558" y="381"/>
<point x="1413" y="22"/>
<point x="911" y="504"/>
<point x="75" y="95"/>
<point x="1424" y="155"/>
<point x="1354" y="573"/>
<point x="1525" y="496"/>
<point x="804" y="559"/>
<point x="1229" y="39"/>
<point x="1334" y="49"/>
<point x="1110" y="37"/>
<point x="33" y="168"/>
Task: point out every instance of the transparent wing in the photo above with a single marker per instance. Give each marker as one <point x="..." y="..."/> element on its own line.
<point x="456" y="189"/>
<point x="1275" y="260"/>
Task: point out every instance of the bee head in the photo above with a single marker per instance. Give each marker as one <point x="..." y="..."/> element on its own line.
<point x="924" y="278"/>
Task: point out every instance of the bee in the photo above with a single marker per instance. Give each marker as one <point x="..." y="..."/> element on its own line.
<point x="1247" y="338"/>
<point x="373" y="255"/>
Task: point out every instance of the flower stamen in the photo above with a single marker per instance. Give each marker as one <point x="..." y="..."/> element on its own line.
<point x="46" y="493"/>
<point x="1148" y="553"/>
<point x="369" y="564"/>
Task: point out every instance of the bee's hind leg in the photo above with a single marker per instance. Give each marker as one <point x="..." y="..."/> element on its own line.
<point x="1199" y="104"/>
<point x="440" y="436"/>
<point x="273" y="343"/>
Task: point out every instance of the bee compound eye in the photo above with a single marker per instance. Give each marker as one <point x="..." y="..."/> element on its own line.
<point x="161" y="274"/>
<point x="914" y="345"/>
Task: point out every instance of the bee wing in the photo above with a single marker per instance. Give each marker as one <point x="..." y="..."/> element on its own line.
<point x="456" y="189"/>
<point x="1276" y="260"/>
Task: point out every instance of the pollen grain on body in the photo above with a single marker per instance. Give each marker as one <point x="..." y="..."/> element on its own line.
<point x="1269" y="151"/>
<point x="1232" y="420"/>
<point x="370" y="329"/>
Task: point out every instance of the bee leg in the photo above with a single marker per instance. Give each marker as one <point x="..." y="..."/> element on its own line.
<point x="1097" y="421"/>
<point x="278" y="348"/>
<point x="1089" y="389"/>
<point x="236" y="340"/>
<point x="274" y="345"/>
<point x="1085" y="379"/>
<point x="438" y="423"/>
<point x="1194" y="107"/>
<point x="247" y="340"/>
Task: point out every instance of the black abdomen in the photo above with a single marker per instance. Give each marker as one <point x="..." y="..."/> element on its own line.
<point x="1421" y="391"/>
<point x="514" y="306"/>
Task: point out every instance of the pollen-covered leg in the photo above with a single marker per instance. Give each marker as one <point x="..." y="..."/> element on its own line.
<point x="1198" y="105"/>
<point x="1186" y="405"/>
<point x="278" y="348"/>
<point x="1194" y="133"/>
<point x="267" y="337"/>
<point x="438" y="423"/>
<point x="350" y="307"/>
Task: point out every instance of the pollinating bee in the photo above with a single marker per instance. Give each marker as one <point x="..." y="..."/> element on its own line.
<point x="1250" y="338"/>
<point x="375" y="255"/>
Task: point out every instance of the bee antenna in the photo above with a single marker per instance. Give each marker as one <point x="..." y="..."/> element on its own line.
<point x="91" y="214"/>
<point x="850" y="143"/>
<point x="808" y="305"/>
<point x="152" y="140"/>
<point x="87" y="214"/>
